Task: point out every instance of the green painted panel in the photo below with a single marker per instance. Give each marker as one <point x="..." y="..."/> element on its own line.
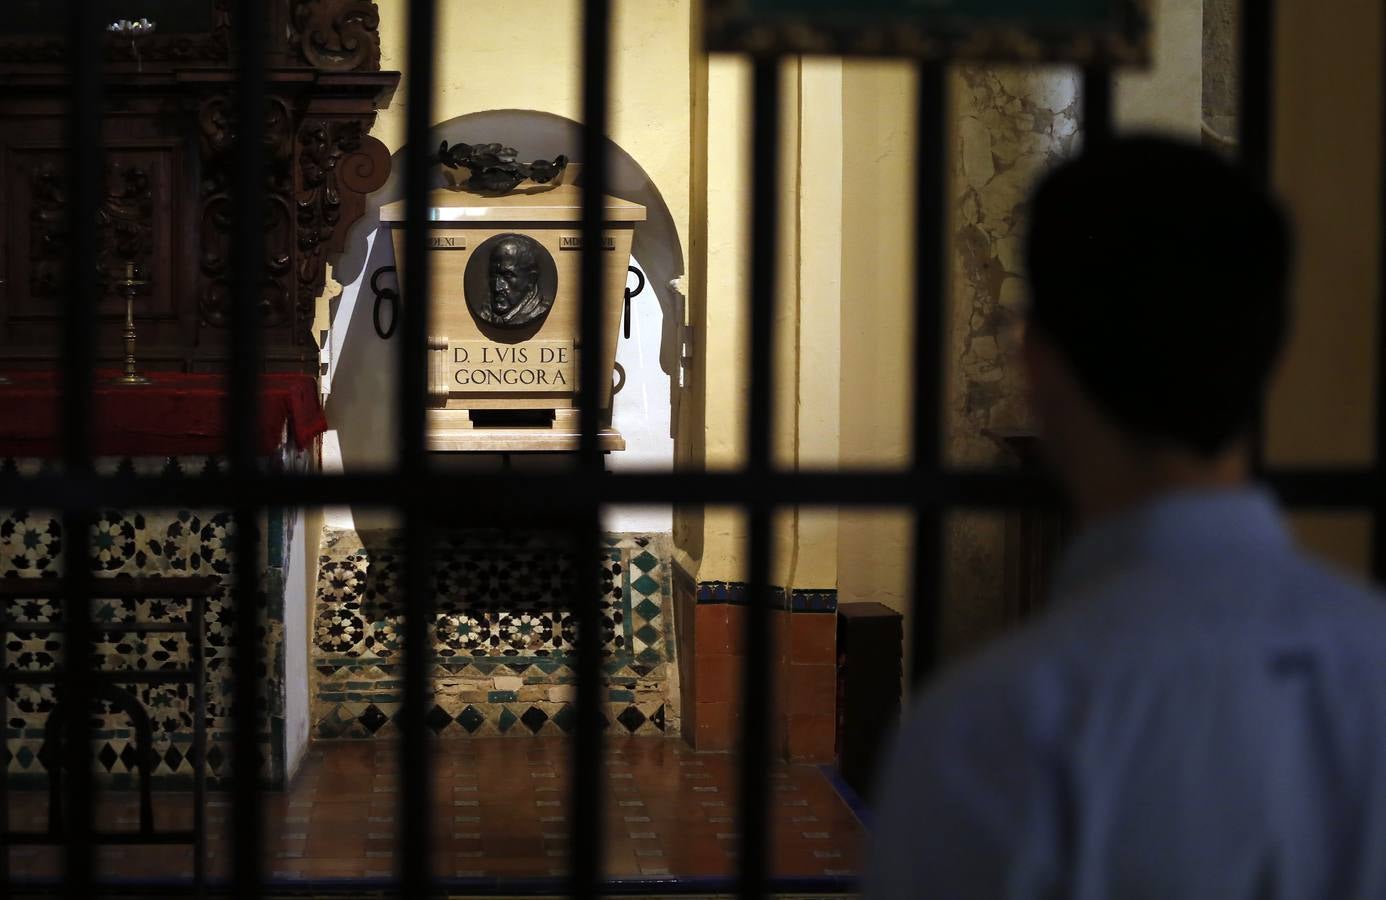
<point x="1103" y="32"/>
<point x="1021" y="11"/>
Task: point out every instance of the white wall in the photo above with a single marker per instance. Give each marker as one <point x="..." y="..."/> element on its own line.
<point x="641" y="413"/>
<point x="297" y="614"/>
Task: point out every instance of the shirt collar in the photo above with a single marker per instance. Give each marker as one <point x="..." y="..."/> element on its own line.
<point x="1174" y="526"/>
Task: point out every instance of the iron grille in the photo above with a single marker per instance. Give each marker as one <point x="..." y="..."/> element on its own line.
<point x="572" y="498"/>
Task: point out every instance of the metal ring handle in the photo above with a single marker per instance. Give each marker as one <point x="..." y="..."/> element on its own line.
<point x="640" y="286"/>
<point x="640" y="281"/>
<point x="382" y="294"/>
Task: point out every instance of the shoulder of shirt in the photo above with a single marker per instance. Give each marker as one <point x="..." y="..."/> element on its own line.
<point x="1026" y="678"/>
<point x="1016" y="683"/>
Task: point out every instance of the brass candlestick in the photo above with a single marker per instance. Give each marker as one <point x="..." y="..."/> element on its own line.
<point x="130" y="283"/>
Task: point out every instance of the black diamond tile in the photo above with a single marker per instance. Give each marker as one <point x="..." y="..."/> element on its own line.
<point x="470" y="719"/>
<point x="106" y="756"/>
<point x="657" y="717"/>
<point x="565" y="719"/>
<point x="631" y="718"/>
<point x="534" y="718"/>
<point x="129" y="758"/>
<point x="437" y="719"/>
<point x="373" y="719"/>
<point x="173" y="759"/>
<point x="215" y="757"/>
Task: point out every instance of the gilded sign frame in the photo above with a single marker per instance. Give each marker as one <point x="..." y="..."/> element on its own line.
<point x="1120" y="37"/>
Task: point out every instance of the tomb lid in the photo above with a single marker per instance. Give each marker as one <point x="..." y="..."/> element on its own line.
<point x="531" y="203"/>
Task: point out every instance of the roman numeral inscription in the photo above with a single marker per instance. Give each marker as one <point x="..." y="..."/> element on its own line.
<point x="574" y="242"/>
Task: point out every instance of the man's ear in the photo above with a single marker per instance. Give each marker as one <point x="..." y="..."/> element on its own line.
<point x="1047" y="378"/>
<point x="1034" y="350"/>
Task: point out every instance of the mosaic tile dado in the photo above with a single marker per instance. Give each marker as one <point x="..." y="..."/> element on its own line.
<point x="148" y="544"/>
<point x="503" y="636"/>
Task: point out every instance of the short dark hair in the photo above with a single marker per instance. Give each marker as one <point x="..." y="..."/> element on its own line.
<point x="1159" y="270"/>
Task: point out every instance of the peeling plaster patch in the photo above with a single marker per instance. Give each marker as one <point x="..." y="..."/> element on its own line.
<point x="1009" y="126"/>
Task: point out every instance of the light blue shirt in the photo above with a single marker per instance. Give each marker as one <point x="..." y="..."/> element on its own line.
<point x="1201" y="713"/>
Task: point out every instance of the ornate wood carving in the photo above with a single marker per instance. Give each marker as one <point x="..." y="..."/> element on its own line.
<point x="125" y="225"/>
<point x="47" y="231"/>
<point x="218" y="136"/>
<point x="170" y="134"/>
<point x="337" y="35"/>
<point x="212" y="46"/>
<point x="339" y="164"/>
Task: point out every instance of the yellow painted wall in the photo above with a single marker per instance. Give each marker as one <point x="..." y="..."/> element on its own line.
<point x="806" y="350"/>
<point x="523" y="54"/>
<point x="818" y="338"/>
<point x="1327" y="169"/>
<point x="875" y="255"/>
<point x="690" y="414"/>
<point x="876" y="318"/>
<point x="720" y="296"/>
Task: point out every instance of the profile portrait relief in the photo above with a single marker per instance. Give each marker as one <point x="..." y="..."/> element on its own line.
<point x="511" y="280"/>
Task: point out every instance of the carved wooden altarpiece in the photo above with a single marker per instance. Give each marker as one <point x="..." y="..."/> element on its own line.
<point x="168" y="132"/>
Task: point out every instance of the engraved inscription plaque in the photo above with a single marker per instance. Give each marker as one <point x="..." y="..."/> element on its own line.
<point x="530" y="366"/>
<point x="574" y="242"/>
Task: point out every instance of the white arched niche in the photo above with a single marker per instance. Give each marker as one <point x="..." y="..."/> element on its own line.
<point x="360" y="384"/>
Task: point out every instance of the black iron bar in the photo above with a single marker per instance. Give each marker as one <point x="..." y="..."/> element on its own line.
<point x="587" y="822"/>
<point x="1097" y="105"/>
<point x="117" y="676"/>
<point x="1379" y="507"/>
<point x="930" y="292"/>
<point x="107" y="837"/>
<point x="5" y="780"/>
<point x="511" y="497"/>
<point x="199" y="704"/>
<point x="243" y="433"/>
<point x="141" y="588"/>
<point x="1254" y="121"/>
<point x="596" y="38"/>
<point x="413" y="855"/>
<point x="1256" y="54"/>
<point x="85" y="161"/>
<point x="757" y="678"/>
<point x="108" y="628"/>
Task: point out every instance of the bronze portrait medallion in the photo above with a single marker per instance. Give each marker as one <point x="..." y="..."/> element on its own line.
<point x="511" y="280"/>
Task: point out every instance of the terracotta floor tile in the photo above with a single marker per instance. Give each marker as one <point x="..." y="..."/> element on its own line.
<point x="501" y="809"/>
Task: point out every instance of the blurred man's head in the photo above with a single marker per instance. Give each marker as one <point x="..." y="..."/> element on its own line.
<point x="1158" y="311"/>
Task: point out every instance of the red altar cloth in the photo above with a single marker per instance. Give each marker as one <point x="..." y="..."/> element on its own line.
<point x="176" y="415"/>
